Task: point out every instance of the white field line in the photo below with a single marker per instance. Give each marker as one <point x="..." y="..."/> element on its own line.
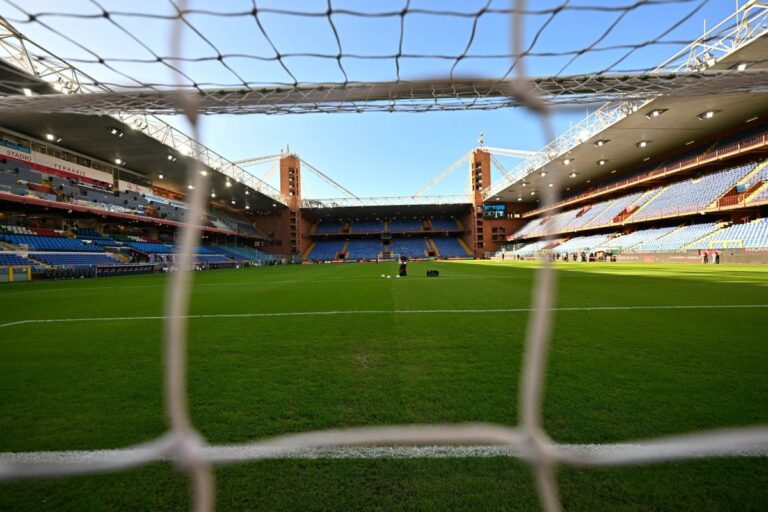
<point x="388" y="312"/>
<point x="256" y="283"/>
<point x="231" y="453"/>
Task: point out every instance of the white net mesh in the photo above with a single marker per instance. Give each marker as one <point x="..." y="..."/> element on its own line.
<point x="41" y="86"/>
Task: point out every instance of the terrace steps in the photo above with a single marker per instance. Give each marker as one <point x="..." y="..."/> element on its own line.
<point x="431" y="245"/>
<point x="659" y="191"/>
<point x="597" y="215"/>
<point x="678" y="228"/>
<point x="122" y="258"/>
<point x="759" y="167"/>
<point x="311" y="247"/>
<point x="632" y="207"/>
<point x="757" y="191"/>
<point x="464" y="244"/>
<point x="344" y="249"/>
<point x="708" y="235"/>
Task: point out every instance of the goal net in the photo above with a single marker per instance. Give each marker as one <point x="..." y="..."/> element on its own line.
<point x="78" y="77"/>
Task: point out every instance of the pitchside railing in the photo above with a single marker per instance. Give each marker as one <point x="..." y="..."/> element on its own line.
<point x="183" y="444"/>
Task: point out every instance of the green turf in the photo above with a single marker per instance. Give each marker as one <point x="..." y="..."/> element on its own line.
<point x="613" y="376"/>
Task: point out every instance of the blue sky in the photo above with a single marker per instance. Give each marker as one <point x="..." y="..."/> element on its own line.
<point x="372" y="154"/>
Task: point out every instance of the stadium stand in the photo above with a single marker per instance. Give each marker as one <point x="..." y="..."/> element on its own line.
<point x="59" y="259"/>
<point x="532" y="248"/>
<point x="749" y="235"/>
<point x="628" y="241"/>
<point x="444" y="224"/>
<point x="10" y="259"/>
<point x="677" y="239"/>
<point x="213" y="258"/>
<point x="326" y="250"/>
<point x="450" y="248"/>
<point x="367" y="226"/>
<point x="693" y="195"/>
<point x="582" y="243"/>
<point x="363" y="249"/>
<point x="328" y="227"/>
<point x="405" y="225"/>
<point x="242" y="253"/>
<point x="49" y="243"/>
<point x="411" y="247"/>
<point x="151" y="248"/>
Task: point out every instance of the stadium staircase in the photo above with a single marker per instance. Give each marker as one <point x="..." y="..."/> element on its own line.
<point x="463" y="243"/>
<point x="122" y="258"/>
<point x="427" y="225"/>
<point x="656" y="193"/>
<point x="705" y="237"/>
<point x="432" y="247"/>
<point x="633" y="206"/>
<point x="311" y="246"/>
<point x="343" y="250"/>
<point x="743" y="189"/>
<point x="758" y="191"/>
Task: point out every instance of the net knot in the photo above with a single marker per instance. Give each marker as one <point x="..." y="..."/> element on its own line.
<point x="188" y="450"/>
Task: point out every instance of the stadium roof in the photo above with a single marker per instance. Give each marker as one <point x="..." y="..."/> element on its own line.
<point x="90" y="136"/>
<point x="387" y="206"/>
<point x="625" y="126"/>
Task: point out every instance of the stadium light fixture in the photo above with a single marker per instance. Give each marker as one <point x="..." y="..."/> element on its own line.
<point x="191" y="187"/>
<point x="655" y="112"/>
<point x="525" y="184"/>
<point x="709" y="114"/>
<point x="613" y="171"/>
<point x="600" y="143"/>
<point x="543" y="173"/>
<point x="551" y="185"/>
<point x="52" y="137"/>
<point x="533" y="192"/>
<point x="741" y="66"/>
<point x="204" y="172"/>
<point x="233" y="201"/>
<point x="119" y="161"/>
<point x="161" y="176"/>
<point x="247" y="192"/>
<point x="213" y="195"/>
<point x="567" y="161"/>
<point x="520" y="198"/>
<point x="228" y="183"/>
<point x="646" y="159"/>
<point x="27" y="91"/>
<point x="689" y="142"/>
<point x="753" y="119"/>
<point x="247" y="207"/>
<point x="602" y="162"/>
<point x="643" y="143"/>
<point x="573" y="174"/>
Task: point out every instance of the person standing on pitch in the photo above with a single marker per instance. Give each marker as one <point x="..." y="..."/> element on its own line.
<point x="403" y="266"/>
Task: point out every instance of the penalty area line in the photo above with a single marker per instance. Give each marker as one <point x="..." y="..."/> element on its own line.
<point x="232" y="453"/>
<point x="387" y="312"/>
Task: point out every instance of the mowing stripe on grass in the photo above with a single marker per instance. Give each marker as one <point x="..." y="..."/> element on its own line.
<point x="387" y="312"/>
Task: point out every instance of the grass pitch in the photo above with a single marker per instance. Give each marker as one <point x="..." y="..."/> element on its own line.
<point x="613" y="376"/>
